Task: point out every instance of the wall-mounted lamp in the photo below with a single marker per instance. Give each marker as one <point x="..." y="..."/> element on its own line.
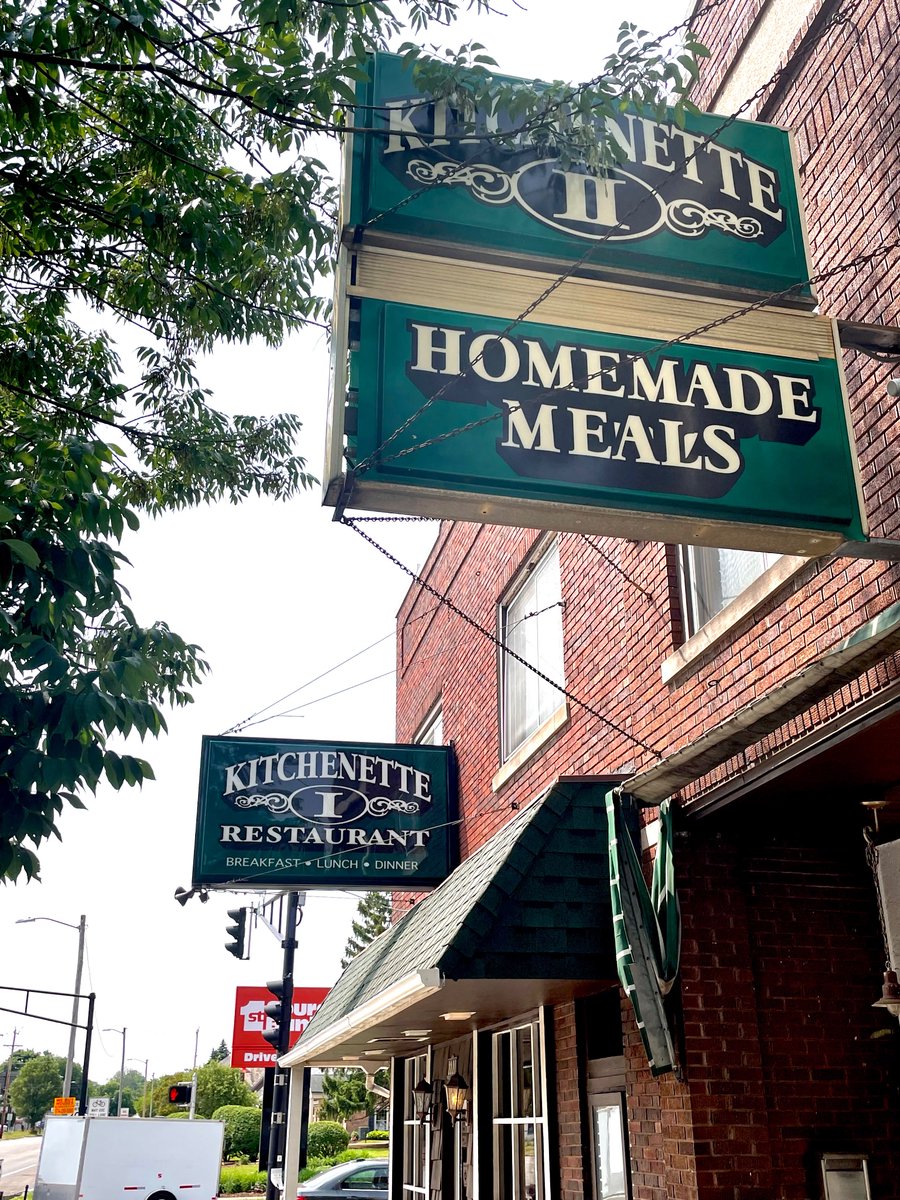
<point x="456" y="1096"/>
<point x="423" y="1099"/>
<point x="890" y="994"/>
<point x="457" y="1092"/>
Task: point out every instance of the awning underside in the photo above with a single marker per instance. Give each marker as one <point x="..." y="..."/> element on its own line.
<point x="525" y="920"/>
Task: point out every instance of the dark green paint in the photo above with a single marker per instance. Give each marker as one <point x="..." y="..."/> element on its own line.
<point x="324" y="814"/>
<point x="383" y="177"/>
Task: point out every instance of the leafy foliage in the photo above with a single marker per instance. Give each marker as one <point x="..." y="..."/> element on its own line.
<point x="242" y="1127"/>
<point x="326" y="1138"/>
<point x="217" y="1085"/>
<point x="345" y="1093"/>
<point x="155" y="167"/>
<point x="39" y="1080"/>
<point x="220" y="1053"/>
<point x="373" y="916"/>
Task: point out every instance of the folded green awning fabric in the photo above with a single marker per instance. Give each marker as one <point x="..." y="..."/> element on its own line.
<point x="647" y="929"/>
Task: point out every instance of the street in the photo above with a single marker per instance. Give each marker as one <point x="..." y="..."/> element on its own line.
<point x="19" y="1158"/>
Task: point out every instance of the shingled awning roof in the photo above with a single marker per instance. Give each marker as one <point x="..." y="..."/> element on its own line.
<point x="525" y="920"/>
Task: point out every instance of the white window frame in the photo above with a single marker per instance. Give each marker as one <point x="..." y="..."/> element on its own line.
<point x="720" y="627"/>
<point x="416" y="1136"/>
<point x="525" y="593"/>
<point x="510" y="1123"/>
<point x="605" y="1101"/>
<point x="699" y="610"/>
<point x="431" y="731"/>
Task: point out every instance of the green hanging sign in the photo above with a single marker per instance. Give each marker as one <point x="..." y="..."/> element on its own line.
<point x="572" y="429"/>
<point x="289" y="813"/>
<point x="713" y="203"/>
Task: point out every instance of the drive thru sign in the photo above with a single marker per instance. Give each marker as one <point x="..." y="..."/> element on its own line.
<point x="248" y="1047"/>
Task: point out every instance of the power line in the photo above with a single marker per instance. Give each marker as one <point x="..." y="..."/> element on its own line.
<point x="443" y="598"/>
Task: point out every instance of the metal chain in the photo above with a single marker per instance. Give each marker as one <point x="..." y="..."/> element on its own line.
<point x="862" y="260"/>
<point x="872" y="860"/>
<point x="842" y="16"/>
<point x="492" y="637"/>
<point x="615" y="566"/>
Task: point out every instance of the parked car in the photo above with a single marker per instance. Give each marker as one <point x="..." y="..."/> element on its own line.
<point x="361" y="1179"/>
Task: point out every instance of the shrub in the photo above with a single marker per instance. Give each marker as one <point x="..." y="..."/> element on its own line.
<point x="237" y="1180"/>
<point x="326" y="1138"/>
<point x="242" y="1126"/>
<point x="377" y="1135"/>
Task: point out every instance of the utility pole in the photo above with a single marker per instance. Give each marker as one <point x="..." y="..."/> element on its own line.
<point x="193" y="1108"/>
<point x="70" y="1057"/>
<point x="9" y="1061"/>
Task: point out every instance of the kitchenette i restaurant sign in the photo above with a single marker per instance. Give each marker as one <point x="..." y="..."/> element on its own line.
<point x="319" y="814"/>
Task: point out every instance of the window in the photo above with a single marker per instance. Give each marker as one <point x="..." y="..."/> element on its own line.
<point x="431" y="731"/>
<point x="518" y="1116"/>
<point x="367" y="1179"/>
<point x="712" y="578"/>
<point x="531" y="626"/>
<point x="608" y="1133"/>
<point x="415" y="1135"/>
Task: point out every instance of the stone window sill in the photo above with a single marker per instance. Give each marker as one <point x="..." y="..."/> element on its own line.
<point x="530" y="746"/>
<point x="723" y="623"/>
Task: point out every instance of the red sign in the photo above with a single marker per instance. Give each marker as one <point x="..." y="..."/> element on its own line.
<point x="248" y="1046"/>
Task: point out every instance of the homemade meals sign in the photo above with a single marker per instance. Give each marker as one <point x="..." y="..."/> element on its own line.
<point x="713" y="203"/>
<point x="323" y="814"/>
<point x="582" y="430"/>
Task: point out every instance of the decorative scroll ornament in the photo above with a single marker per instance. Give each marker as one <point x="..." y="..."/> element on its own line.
<point x="690" y="218"/>
<point x="486" y="183"/>
<point x="275" y="802"/>
<point x="378" y="806"/>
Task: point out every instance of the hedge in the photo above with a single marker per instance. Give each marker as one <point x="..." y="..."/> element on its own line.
<point x="326" y="1138"/>
<point x="242" y="1126"/>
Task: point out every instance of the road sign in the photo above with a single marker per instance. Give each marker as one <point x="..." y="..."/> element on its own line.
<point x="65" y="1106"/>
<point x="98" y="1106"/>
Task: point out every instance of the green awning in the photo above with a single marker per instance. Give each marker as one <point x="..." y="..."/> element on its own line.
<point x="647" y="927"/>
<point x="525" y="920"/>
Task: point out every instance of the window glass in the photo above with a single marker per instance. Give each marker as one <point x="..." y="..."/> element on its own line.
<point x="609" y="1147"/>
<point x="431" y="732"/>
<point x="712" y="578"/>
<point x="531" y="627"/>
<point x="519" y="1141"/>
<point x="415" y="1135"/>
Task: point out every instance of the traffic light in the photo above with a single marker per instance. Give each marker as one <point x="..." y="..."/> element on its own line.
<point x="238" y="932"/>
<point x="180" y="1093"/>
<point x="278" y="1011"/>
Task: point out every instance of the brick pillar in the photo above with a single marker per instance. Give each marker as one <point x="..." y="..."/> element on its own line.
<point x="723" y="1056"/>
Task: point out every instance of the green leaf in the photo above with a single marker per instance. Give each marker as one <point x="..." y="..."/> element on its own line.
<point x="25" y="552"/>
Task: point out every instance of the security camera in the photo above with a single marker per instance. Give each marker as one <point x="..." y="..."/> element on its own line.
<point x="893" y="387"/>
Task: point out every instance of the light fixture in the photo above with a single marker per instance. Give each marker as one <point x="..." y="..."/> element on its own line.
<point x="416" y="1032"/>
<point x="890" y="994"/>
<point x="457" y="1016"/>
<point x="890" y="987"/>
<point x="457" y="1092"/>
<point x="423" y="1100"/>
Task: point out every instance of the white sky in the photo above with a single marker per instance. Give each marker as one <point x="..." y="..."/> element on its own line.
<point x="275" y="595"/>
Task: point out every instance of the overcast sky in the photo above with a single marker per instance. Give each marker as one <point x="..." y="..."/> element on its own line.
<point x="276" y="595"/>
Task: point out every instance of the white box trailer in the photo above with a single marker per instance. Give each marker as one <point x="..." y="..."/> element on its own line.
<point x="115" y="1158"/>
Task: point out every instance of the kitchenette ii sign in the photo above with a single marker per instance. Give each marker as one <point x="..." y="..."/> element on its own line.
<point x="713" y="203"/>
<point x="319" y="814"/>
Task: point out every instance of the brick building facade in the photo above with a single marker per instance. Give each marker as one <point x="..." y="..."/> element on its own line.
<point x="767" y="702"/>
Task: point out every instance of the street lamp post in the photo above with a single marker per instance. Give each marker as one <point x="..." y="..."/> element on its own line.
<point x="121" y="1068"/>
<point x="70" y="1057"/>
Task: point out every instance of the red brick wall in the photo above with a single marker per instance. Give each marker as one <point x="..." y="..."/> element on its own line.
<point x="781" y="961"/>
<point x="569" y="1107"/>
